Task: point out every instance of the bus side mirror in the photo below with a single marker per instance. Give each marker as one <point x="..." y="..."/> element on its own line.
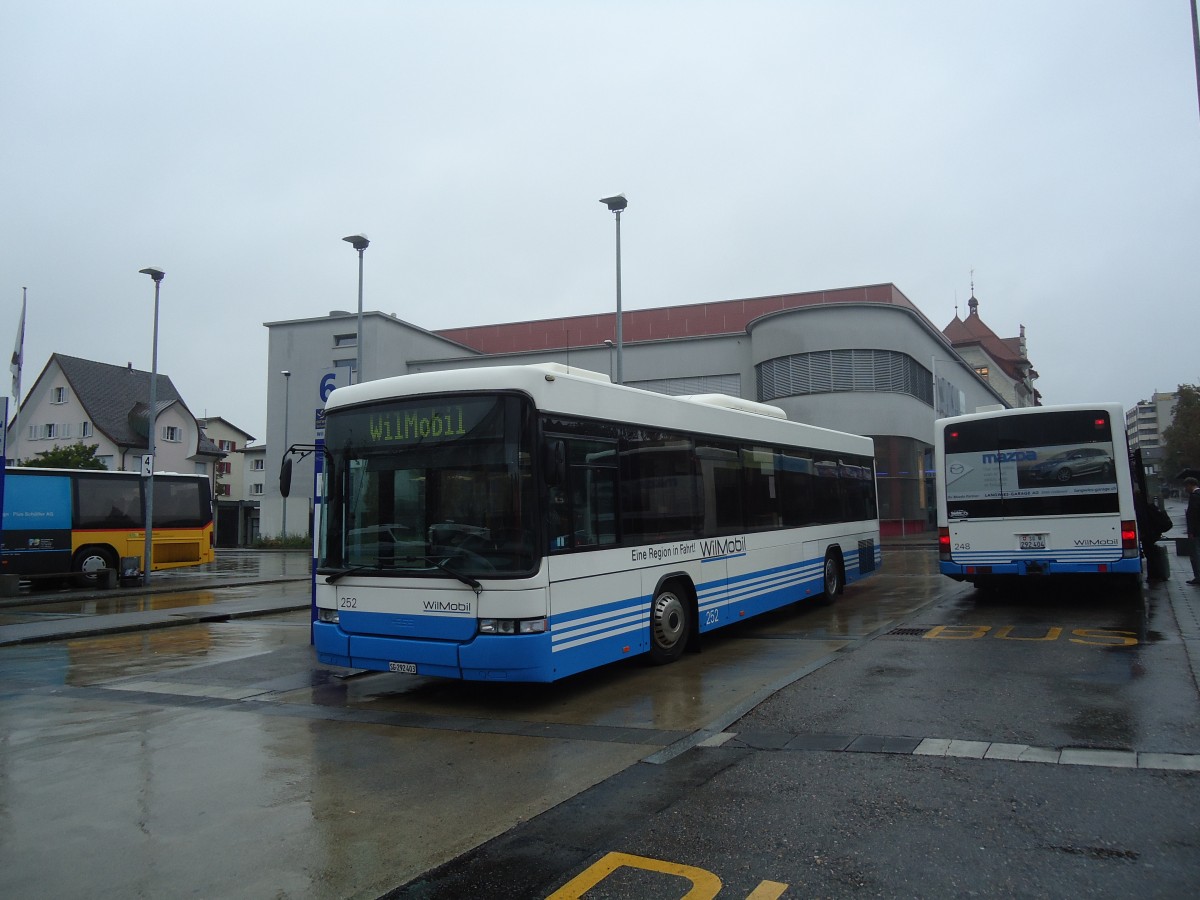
<point x="554" y="462"/>
<point x="285" y="477"/>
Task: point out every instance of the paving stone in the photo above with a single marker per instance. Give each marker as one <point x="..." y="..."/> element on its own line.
<point x="1077" y="756"/>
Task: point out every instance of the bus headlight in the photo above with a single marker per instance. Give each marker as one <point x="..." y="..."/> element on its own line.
<point x="327" y="615"/>
<point x="512" y="626"/>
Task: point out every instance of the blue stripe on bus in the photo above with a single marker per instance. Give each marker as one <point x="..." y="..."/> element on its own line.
<point x="1089" y="554"/>
<point x="577" y="640"/>
<point x="761" y="590"/>
<point x="1046" y="567"/>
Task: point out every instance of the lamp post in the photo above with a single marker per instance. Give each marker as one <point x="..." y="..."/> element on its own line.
<point x="615" y="204"/>
<point x="609" y="345"/>
<point x="360" y="243"/>
<point x="152" y="424"/>
<point x="287" y="384"/>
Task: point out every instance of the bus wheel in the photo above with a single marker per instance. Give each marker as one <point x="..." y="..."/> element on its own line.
<point x="833" y="578"/>
<point x="90" y="560"/>
<point x="670" y="626"/>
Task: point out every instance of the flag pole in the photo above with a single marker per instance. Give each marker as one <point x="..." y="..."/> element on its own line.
<point x="18" y="360"/>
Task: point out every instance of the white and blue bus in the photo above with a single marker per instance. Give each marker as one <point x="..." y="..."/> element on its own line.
<point x="1040" y="491"/>
<point x="527" y="523"/>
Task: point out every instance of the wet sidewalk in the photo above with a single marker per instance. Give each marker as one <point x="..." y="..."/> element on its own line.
<point x="175" y="597"/>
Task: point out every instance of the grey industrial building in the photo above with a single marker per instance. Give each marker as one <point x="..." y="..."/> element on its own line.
<point x="862" y="359"/>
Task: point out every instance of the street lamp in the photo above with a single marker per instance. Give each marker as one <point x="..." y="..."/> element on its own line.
<point x="615" y="205"/>
<point x="152" y="423"/>
<point x="609" y="345"/>
<point x="360" y="243"/>
<point x="287" y="384"/>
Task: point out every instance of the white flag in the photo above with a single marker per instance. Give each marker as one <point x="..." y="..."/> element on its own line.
<point x="18" y="356"/>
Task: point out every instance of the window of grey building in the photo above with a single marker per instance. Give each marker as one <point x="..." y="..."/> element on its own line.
<point x="829" y="371"/>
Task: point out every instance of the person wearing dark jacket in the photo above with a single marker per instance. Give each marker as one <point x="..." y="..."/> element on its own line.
<point x="1193" y="525"/>
<point x="1152" y="524"/>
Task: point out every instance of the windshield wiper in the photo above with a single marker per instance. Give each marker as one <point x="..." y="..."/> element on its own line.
<point x="437" y="563"/>
<point x="353" y="570"/>
<point x="441" y="564"/>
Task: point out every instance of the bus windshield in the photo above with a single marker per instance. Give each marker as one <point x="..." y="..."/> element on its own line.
<point x="437" y="486"/>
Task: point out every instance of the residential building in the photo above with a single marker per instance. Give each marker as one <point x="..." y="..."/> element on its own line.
<point x="862" y="359"/>
<point x="253" y="488"/>
<point x="1144" y="425"/>
<point x="80" y="401"/>
<point x="233" y="511"/>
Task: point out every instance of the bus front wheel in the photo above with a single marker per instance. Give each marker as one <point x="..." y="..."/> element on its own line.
<point x="90" y="560"/>
<point x="670" y="626"/>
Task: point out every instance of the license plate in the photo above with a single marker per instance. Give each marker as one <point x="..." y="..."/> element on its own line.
<point x="1031" y="541"/>
<point x="408" y="668"/>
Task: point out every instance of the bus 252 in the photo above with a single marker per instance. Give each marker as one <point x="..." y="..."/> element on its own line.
<point x="76" y="520"/>
<point x="529" y="522"/>
<point x="1043" y="491"/>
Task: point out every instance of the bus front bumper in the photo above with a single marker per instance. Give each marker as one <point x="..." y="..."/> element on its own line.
<point x="506" y="657"/>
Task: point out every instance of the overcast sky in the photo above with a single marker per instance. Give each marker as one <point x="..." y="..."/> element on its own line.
<point x="1052" y="147"/>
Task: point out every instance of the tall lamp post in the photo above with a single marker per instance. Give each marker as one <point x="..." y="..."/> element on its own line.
<point x="152" y="424"/>
<point x="615" y="205"/>
<point x="360" y="243"/>
<point x="287" y="385"/>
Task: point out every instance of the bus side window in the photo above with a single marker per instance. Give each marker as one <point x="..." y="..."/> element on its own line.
<point x="592" y="487"/>
<point x="760" y="488"/>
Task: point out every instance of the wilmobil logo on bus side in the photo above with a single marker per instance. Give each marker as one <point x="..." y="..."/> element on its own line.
<point x="723" y="546"/>
<point x="707" y="549"/>
<point x="450" y="607"/>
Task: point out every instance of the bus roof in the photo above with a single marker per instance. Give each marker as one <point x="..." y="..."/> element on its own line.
<point x="1112" y="407"/>
<point x="110" y="473"/>
<point x="554" y="387"/>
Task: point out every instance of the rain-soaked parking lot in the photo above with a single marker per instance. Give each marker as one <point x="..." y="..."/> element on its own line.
<point x="217" y="759"/>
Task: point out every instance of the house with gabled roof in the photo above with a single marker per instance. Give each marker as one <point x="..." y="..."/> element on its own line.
<point x="1002" y="362"/>
<point x="81" y="401"/>
<point x="236" y="514"/>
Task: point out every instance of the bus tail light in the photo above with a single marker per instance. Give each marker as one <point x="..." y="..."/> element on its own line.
<point x="944" y="544"/>
<point x="1129" y="541"/>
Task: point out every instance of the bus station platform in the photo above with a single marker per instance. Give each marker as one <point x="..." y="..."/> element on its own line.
<point x="184" y="596"/>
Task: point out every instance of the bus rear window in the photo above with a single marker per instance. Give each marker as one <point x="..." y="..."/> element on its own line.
<point x="1049" y="464"/>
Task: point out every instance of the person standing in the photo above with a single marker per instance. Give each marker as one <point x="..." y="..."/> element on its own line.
<point x="1192" y="517"/>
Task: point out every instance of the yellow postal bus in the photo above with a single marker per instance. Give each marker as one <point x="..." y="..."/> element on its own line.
<point x="76" y="520"/>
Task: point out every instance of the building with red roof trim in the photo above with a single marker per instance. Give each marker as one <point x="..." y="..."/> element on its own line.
<point x="859" y="359"/>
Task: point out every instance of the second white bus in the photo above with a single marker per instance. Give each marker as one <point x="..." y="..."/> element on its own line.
<point x="1040" y="491"/>
<point x="529" y="522"/>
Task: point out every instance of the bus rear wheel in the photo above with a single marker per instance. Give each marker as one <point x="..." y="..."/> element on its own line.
<point x="90" y="560"/>
<point x="670" y="626"/>
<point x="834" y="583"/>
